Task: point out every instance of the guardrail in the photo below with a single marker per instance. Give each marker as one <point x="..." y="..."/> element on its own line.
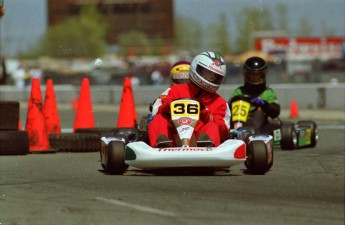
<point x="308" y="96"/>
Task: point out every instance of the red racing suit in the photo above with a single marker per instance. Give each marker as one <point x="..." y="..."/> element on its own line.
<point x="216" y="127"/>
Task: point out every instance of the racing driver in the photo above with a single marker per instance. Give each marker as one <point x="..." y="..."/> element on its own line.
<point x="207" y="72"/>
<point x="264" y="101"/>
<point x="179" y="74"/>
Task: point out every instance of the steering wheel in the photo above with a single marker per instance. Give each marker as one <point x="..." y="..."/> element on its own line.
<point x="246" y="98"/>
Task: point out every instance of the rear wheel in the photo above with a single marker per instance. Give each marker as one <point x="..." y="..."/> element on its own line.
<point x="115" y="159"/>
<point x="314" y="133"/>
<point x="257" y="161"/>
<point x="289" y="136"/>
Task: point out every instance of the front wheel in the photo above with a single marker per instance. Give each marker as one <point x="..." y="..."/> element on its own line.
<point x="115" y="160"/>
<point x="257" y="158"/>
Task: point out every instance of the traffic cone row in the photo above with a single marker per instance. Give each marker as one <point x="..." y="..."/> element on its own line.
<point x="43" y="120"/>
<point x="293" y="109"/>
<point x="127" y="115"/>
<point x="50" y="112"/>
<point x="35" y="123"/>
<point x="84" y="116"/>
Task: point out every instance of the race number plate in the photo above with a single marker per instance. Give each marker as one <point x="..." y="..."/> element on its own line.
<point x="185" y="108"/>
<point x="185" y="115"/>
<point x="239" y="111"/>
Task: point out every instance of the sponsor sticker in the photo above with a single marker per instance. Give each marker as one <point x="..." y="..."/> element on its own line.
<point x="184" y="121"/>
<point x="217" y="62"/>
<point x="184" y="149"/>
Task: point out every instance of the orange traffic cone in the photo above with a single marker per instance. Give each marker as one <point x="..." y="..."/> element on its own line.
<point x="35" y="125"/>
<point x="127" y="115"/>
<point x="50" y="112"/>
<point x="293" y="109"/>
<point x="74" y="103"/>
<point x="84" y="116"/>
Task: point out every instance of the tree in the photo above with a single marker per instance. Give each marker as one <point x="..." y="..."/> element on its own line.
<point x="282" y="21"/>
<point x="305" y="28"/>
<point x="250" y="20"/>
<point x="219" y="36"/>
<point x="188" y="34"/>
<point x="133" y="43"/>
<point x="325" y="30"/>
<point x="80" y="36"/>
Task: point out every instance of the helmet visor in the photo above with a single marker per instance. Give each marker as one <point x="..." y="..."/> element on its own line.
<point x="255" y="78"/>
<point x="180" y="78"/>
<point x="210" y="76"/>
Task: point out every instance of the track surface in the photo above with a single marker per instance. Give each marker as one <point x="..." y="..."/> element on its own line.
<point x="304" y="186"/>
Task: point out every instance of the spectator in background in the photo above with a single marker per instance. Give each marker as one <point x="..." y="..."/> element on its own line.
<point x="18" y="76"/>
<point x="36" y="72"/>
<point x="157" y="77"/>
<point x="135" y="81"/>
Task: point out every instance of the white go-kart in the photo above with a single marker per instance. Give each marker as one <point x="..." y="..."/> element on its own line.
<point x="130" y="147"/>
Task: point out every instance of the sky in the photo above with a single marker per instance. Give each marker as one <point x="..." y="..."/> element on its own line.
<point x="26" y="20"/>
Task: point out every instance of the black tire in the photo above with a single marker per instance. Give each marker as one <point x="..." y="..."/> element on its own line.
<point x="289" y="136"/>
<point x="271" y="163"/>
<point x="115" y="161"/>
<point x="9" y="111"/>
<point x="14" y="143"/>
<point x="75" y="142"/>
<point x="257" y="157"/>
<point x="97" y="130"/>
<point x="314" y="132"/>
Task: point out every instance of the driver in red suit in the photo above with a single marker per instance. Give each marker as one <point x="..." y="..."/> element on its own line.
<point x="206" y="74"/>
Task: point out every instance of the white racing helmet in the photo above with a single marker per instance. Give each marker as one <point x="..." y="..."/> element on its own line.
<point x="207" y="71"/>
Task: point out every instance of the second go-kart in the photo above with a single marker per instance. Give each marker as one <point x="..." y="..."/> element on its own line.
<point x="285" y="134"/>
<point x="131" y="148"/>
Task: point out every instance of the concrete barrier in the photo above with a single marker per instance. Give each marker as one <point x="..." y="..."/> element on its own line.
<point x="308" y="96"/>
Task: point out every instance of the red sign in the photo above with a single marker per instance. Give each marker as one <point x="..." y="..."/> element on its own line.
<point x="304" y="47"/>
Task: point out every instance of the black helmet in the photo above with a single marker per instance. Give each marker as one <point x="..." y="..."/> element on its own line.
<point x="255" y="70"/>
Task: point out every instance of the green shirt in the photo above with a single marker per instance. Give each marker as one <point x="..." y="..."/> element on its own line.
<point x="268" y="95"/>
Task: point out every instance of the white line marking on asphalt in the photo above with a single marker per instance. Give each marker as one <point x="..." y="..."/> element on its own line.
<point x="137" y="207"/>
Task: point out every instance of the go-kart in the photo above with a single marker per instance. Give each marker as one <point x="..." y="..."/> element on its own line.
<point x="285" y="134"/>
<point x="131" y="148"/>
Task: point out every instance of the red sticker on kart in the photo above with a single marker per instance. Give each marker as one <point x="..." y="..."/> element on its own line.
<point x="184" y="121"/>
